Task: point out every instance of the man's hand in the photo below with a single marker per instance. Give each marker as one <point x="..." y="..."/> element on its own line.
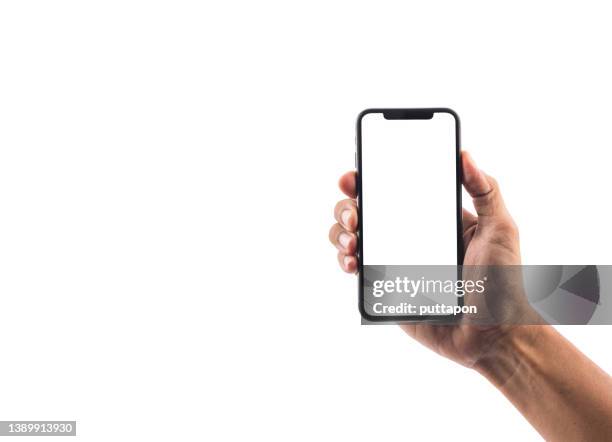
<point x="490" y="238"/>
<point x="563" y="394"/>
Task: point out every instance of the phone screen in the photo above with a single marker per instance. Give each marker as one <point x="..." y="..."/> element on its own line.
<point x="409" y="188"/>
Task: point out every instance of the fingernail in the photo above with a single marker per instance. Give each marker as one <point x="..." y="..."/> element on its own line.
<point x="346" y="216"/>
<point x="344" y="239"/>
<point x="347" y="260"/>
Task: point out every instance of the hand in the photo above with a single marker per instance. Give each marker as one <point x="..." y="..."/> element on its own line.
<point x="490" y="238"/>
<point x="563" y="394"/>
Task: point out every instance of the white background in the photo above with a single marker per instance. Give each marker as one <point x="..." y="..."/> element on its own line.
<point x="167" y="177"/>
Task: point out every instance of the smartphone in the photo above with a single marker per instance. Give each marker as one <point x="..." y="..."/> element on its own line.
<point x="409" y="198"/>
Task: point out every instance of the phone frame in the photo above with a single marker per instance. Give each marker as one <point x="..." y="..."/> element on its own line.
<point x="408" y="114"/>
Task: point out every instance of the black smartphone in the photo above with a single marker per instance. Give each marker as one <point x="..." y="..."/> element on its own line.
<point x="409" y="198"/>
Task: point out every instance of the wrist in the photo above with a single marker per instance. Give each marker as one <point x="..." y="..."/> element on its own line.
<point x="513" y="354"/>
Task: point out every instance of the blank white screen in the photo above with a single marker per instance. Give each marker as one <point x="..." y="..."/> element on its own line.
<point x="408" y="180"/>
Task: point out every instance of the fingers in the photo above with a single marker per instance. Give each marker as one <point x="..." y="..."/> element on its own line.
<point x="342" y="235"/>
<point x="347" y="262"/>
<point x="482" y="188"/>
<point x="345" y="213"/>
<point x="348" y="184"/>
<point x="345" y="242"/>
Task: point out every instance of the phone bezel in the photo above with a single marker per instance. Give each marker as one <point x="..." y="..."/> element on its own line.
<point x="408" y="113"/>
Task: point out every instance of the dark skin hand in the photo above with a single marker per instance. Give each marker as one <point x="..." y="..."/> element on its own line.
<point x="563" y="394"/>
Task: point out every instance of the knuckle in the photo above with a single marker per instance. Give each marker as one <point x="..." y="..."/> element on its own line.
<point x="485" y="198"/>
<point x="337" y="207"/>
<point x="342" y="205"/>
<point x="493" y="182"/>
<point x="333" y="233"/>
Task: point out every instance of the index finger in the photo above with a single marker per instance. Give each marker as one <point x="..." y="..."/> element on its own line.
<point x="348" y="184"/>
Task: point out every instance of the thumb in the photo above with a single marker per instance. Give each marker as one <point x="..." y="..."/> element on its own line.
<point x="482" y="188"/>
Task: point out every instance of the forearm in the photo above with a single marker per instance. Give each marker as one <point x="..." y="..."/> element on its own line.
<point x="562" y="393"/>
